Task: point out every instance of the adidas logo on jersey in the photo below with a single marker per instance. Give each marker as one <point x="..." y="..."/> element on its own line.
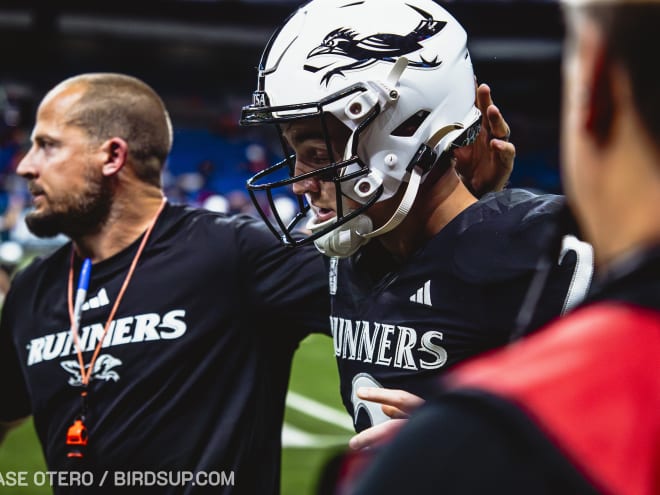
<point x="100" y="299"/>
<point x="423" y="294"/>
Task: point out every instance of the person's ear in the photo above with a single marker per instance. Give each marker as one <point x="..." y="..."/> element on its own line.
<point x="600" y="98"/>
<point x="115" y="151"/>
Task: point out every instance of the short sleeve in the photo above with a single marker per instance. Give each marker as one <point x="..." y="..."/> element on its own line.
<point x="16" y="401"/>
<point x="283" y="282"/>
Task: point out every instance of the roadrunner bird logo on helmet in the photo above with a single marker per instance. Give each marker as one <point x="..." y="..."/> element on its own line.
<point x="398" y="76"/>
<point x="372" y="48"/>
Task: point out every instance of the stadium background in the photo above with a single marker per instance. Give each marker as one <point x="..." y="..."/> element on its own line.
<point x="201" y="56"/>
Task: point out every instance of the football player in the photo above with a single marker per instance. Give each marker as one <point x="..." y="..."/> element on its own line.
<point x="374" y="102"/>
<point x="575" y="407"/>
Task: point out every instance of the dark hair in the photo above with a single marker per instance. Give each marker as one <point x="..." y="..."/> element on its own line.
<point x="631" y="38"/>
<point x="117" y="105"/>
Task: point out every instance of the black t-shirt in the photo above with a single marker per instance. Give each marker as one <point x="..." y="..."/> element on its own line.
<point x="399" y="325"/>
<point x="193" y="372"/>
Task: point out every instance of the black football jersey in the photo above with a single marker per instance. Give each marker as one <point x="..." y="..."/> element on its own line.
<point x="193" y="372"/>
<point x="547" y="417"/>
<point x="401" y="324"/>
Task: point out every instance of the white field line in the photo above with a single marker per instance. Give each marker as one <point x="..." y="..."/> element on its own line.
<point x="319" y="411"/>
<point x="293" y="437"/>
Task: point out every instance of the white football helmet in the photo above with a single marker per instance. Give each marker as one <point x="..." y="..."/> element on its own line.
<point x="397" y="74"/>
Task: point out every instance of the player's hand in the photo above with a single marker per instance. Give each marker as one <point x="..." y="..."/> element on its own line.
<point x="397" y="404"/>
<point x="486" y="165"/>
<point x="376" y="435"/>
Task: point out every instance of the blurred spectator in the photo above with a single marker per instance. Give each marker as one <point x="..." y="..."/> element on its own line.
<point x="11" y="255"/>
<point x="11" y="215"/>
<point x="191" y="184"/>
<point x="239" y="202"/>
<point x="217" y="203"/>
<point x="256" y="158"/>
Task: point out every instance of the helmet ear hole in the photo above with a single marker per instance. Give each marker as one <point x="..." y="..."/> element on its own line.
<point x="361" y="105"/>
<point x="366" y="186"/>
<point x="411" y="124"/>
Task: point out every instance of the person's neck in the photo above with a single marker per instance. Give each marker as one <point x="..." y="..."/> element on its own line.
<point x="622" y="218"/>
<point x="129" y="218"/>
<point x="437" y="204"/>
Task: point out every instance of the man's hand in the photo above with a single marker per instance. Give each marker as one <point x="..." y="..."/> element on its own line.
<point x="397" y="404"/>
<point x="486" y="165"/>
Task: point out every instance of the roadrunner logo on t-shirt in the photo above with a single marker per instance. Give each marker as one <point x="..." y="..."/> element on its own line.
<point x="127" y="330"/>
<point x="103" y="370"/>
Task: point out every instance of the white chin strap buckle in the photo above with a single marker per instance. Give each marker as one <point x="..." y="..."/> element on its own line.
<point x="345" y="239"/>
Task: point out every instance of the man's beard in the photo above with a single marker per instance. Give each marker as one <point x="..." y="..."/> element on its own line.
<point x="74" y="216"/>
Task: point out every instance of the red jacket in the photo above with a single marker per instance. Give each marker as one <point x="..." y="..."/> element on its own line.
<point x="591" y="383"/>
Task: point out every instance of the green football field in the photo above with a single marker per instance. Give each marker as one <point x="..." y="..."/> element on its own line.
<point x="316" y="426"/>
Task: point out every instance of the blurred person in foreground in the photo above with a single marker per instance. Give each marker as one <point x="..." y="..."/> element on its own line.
<point x="574" y="408"/>
<point x="375" y="102"/>
<point x="176" y="357"/>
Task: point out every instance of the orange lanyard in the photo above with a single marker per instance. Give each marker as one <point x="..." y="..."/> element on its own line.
<point x="86" y="374"/>
<point x="77" y="435"/>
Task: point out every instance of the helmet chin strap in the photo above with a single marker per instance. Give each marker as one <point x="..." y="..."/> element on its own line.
<point x="346" y="239"/>
<point x="412" y="189"/>
<point x="402" y="210"/>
